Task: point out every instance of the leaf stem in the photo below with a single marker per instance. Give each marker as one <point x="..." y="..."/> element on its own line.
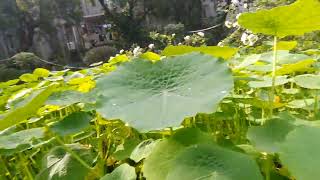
<point x="315" y="111"/>
<point x="100" y="144"/>
<point x="73" y="154"/>
<point x="25" y="167"/>
<point x="274" y="75"/>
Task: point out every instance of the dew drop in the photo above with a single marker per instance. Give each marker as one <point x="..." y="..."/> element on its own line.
<point x="223" y="92"/>
<point x="189" y="89"/>
<point x="114" y="104"/>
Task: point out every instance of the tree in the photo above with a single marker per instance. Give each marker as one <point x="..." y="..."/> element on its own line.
<point x="123" y="14"/>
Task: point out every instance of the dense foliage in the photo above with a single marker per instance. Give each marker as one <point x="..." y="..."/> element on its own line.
<point x="205" y="112"/>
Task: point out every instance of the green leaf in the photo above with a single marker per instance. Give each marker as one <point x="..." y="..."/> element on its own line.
<point x="66" y="98"/>
<point x="28" y="110"/>
<point x="249" y="60"/>
<point x="283" y="57"/>
<point x="299" y="153"/>
<point x="260" y="68"/>
<point x="143" y="150"/>
<point x="41" y="72"/>
<point x="72" y="124"/>
<point x="151" y="96"/>
<point x="123" y="172"/>
<point x="150" y="56"/>
<point x="124" y="150"/>
<point x="286" y="45"/>
<point x="159" y="162"/>
<point x="20" y="141"/>
<point x="215" y="51"/>
<point x="213" y="162"/>
<point x="9" y="83"/>
<point x="300" y="103"/>
<point x="309" y="81"/>
<point x="61" y="165"/>
<point x="283" y="45"/>
<point x="267" y="82"/>
<point x="29" y="77"/>
<point x="266" y="138"/>
<point x="301" y="66"/>
<point x="295" y="19"/>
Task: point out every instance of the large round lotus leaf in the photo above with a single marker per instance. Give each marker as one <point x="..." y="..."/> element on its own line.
<point x="150" y="96"/>
<point x="309" y="81"/>
<point x="123" y="172"/>
<point x="211" y="162"/>
<point x="159" y="162"/>
<point x="266" y="138"/>
<point x="295" y="19"/>
<point x="300" y="153"/>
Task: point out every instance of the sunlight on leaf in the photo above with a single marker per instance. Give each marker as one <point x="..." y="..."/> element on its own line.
<point x="215" y="51"/>
<point x="308" y="81"/>
<point x="295" y="19"/>
<point x="123" y="172"/>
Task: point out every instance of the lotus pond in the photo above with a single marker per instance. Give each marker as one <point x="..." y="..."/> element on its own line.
<point x="188" y="113"/>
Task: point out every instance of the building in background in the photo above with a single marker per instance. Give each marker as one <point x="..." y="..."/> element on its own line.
<point x="94" y="28"/>
<point x="209" y="8"/>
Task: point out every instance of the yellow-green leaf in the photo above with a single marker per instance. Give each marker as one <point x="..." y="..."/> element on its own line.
<point x="28" y="110"/>
<point x="41" y="72"/>
<point x="286" y="45"/>
<point x="28" y="77"/>
<point x="295" y="19"/>
<point x="301" y="66"/>
<point x="150" y="56"/>
<point x="216" y="51"/>
<point x="118" y="59"/>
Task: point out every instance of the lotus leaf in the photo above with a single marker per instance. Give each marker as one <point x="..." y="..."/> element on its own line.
<point x="295" y="19"/>
<point x="72" y="124"/>
<point x="266" y="138"/>
<point x="159" y="162"/>
<point x="59" y="164"/>
<point x="151" y="96"/>
<point x="302" y="145"/>
<point x="123" y="172"/>
<point x="28" y="110"/>
<point x="19" y="141"/>
<point x="308" y="81"/>
<point x="267" y="82"/>
<point x="216" y="51"/>
<point x="213" y="162"/>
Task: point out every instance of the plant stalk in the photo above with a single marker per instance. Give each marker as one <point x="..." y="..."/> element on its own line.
<point x="274" y="76"/>
<point x="315" y="110"/>
<point x="25" y="167"/>
<point x="73" y="154"/>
